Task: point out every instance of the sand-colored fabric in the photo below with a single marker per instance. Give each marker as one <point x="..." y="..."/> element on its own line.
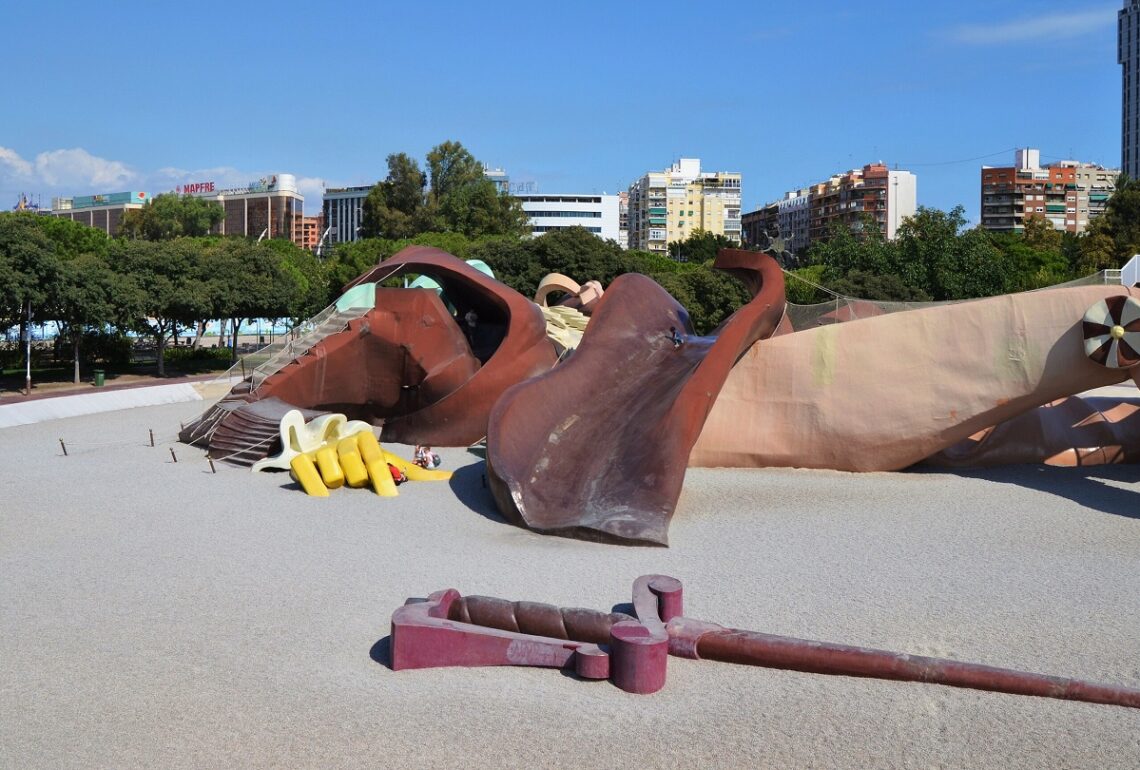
<point x="885" y="392"/>
<point x="153" y="614"/>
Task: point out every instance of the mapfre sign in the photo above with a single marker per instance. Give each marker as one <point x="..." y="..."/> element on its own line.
<point x="195" y="188"/>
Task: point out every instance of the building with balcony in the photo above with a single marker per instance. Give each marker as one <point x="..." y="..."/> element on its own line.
<point x="875" y="194"/>
<point x="548" y="212"/>
<point x="623" y="219"/>
<point x="1068" y="193"/>
<point x="670" y="205"/>
<point x="307" y="232"/>
<point x="788" y="218"/>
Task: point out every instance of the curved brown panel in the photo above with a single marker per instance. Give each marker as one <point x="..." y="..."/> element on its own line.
<point x="597" y="448"/>
<point x="510" y="340"/>
<point x="408" y="365"/>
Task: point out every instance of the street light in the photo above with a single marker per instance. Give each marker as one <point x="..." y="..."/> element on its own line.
<point x="321" y="242"/>
<point x="28" y="348"/>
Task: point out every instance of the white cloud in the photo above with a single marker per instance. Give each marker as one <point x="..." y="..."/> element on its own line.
<point x="80" y="168"/>
<point x="70" y="172"/>
<point x="313" y="188"/>
<point x="11" y="164"/>
<point x="1049" y="27"/>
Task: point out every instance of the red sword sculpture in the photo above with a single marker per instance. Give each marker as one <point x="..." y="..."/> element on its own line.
<point x="447" y="629"/>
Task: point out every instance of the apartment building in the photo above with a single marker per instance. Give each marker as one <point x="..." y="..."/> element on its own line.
<point x="1068" y="193"/>
<point x="307" y="231"/>
<point x="874" y="193"/>
<point x="788" y="218"/>
<point x="670" y="205"/>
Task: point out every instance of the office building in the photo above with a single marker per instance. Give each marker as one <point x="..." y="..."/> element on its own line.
<point x="104" y="211"/>
<point x="342" y="212"/>
<point x="265" y="208"/>
<point x="670" y="205"/>
<point x="1128" y="56"/>
<point x="599" y="214"/>
<point x="1068" y="193"/>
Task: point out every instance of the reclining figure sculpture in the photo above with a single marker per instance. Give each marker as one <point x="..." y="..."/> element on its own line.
<point x="879" y="394"/>
<point x="597" y="446"/>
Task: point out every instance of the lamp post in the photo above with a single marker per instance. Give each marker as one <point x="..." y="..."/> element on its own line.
<point x="28" y="352"/>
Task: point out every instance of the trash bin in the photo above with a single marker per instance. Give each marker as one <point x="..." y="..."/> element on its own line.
<point x="99" y="378"/>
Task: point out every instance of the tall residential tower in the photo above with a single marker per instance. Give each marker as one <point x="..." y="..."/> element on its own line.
<point x="1128" y="54"/>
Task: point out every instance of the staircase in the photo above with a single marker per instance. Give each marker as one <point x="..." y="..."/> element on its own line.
<point x="301" y="339"/>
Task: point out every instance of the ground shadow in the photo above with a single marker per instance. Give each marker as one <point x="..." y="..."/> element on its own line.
<point x="469" y="484"/>
<point x="1091" y="486"/>
<point x="381" y="652"/>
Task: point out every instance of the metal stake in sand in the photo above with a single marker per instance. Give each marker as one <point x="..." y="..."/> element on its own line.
<point x="63" y="446"/>
<point x="172" y="455"/>
<point x="151" y="436"/>
<point x="450" y="630"/>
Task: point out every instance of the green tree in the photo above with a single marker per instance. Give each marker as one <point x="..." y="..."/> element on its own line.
<point x="29" y="272"/>
<point x="166" y="280"/>
<point x="394" y="208"/>
<point x="463" y="200"/>
<point x="245" y="282"/>
<point x="1114" y="237"/>
<point x="709" y="295"/>
<point x="700" y="247"/>
<point x="574" y="252"/>
<point x="305" y="281"/>
<point x="168" y="216"/>
<point x="91" y="296"/>
<point x="887" y="288"/>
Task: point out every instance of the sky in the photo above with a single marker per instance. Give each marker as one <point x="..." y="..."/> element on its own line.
<point x="578" y="97"/>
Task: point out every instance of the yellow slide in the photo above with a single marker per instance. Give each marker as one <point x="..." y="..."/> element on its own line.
<point x="373" y="457"/>
<point x="355" y="460"/>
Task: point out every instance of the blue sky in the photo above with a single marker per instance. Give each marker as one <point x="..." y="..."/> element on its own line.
<point x="574" y="97"/>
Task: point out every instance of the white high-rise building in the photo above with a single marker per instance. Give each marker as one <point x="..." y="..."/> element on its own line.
<point x="558" y="211"/>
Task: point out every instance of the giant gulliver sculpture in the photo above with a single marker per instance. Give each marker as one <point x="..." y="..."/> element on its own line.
<point x="596" y="446"/>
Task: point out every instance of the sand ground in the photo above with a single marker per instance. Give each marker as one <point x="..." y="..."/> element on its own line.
<point x="153" y="614"/>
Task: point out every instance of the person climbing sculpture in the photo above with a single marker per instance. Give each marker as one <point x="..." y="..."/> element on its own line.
<point x="676" y="337"/>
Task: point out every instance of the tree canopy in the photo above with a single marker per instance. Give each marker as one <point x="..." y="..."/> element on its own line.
<point x="459" y="199"/>
<point x="168" y="216"/>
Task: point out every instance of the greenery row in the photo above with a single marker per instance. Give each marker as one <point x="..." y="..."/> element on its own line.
<point x="163" y="273"/>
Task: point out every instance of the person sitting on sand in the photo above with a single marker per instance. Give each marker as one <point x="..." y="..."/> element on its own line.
<point x="425" y="458"/>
